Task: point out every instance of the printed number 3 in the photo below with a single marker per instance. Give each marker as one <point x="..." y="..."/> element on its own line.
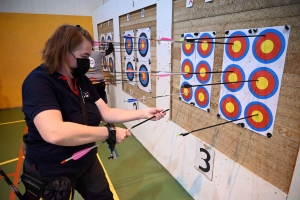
<point x="207" y="168"/>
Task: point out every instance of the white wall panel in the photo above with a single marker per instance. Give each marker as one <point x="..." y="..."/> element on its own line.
<point x="58" y="7"/>
<point x="230" y="180"/>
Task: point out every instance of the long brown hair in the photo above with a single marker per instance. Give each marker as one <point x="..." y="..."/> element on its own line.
<point x="65" y="39"/>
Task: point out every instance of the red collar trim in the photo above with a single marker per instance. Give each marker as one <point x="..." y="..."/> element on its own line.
<point x="75" y="83"/>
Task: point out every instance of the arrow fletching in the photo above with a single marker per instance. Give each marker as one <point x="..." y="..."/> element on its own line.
<point x="81" y="153"/>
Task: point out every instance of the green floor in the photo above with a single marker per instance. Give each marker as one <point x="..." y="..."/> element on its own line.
<point x="135" y="175"/>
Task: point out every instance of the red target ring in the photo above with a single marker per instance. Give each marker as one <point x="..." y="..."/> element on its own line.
<point x="187" y="66"/>
<point x="264" y="118"/>
<point x="236" y="74"/>
<point x="239" y="46"/>
<point x="266" y="85"/>
<point x="201" y="97"/>
<point x="201" y="68"/>
<point x="186" y="93"/>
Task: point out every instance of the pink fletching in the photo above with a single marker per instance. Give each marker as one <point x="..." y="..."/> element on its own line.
<point x="81" y="153"/>
<point x="163" y="75"/>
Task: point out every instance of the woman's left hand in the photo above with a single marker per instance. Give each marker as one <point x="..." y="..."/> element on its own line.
<point x="157" y="112"/>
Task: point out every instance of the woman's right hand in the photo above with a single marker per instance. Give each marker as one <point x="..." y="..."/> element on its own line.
<point x="121" y="134"/>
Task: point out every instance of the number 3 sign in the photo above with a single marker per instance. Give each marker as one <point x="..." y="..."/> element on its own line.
<point x="204" y="161"/>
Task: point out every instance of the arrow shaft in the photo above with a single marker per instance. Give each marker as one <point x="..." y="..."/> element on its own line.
<point x="184" y="134"/>
<point x="144" y="121"/>
<point x="188" y="86"/>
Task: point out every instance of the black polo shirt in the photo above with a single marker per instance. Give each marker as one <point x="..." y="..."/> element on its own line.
<point x="42" y="91"/>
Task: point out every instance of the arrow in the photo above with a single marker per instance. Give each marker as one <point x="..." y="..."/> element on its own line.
<point x="145" y="121"/>
<point x="237" y="36"/>
<point x="189" y="86"/>
<point x="136" y="99"/>
<point x="184" y="134"/>
<point x="130" y="36"/>
<point x="166" y="74"/>
<point x="83" y="152"/>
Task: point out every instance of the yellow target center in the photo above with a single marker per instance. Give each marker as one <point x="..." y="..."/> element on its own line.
<point x="188" y="46"/>
<point x="202" y="72"/>
<point x="204" y="45"/>
<point x="186" y="68"/>
<point x="229" y="107"/>
<point x="262" y="83"/>
<point x="267" y="46"/>
<point x="232" y="77"/>
<point x="185" y="91"/>
<point x="143" y="44"/>
<point x="259" y="117"/>
<point x="128" y="45"/>
<point x="144" y="76"/>
<point x="236" y="47"/>
<point x="201" y="96"/>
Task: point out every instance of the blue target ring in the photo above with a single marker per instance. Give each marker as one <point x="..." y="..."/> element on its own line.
<point x="203" y="66"/>
<point x="205" y="49"/>
<point x="143" y="44"/>
<point x="269" y="48"/>
<point x="240" y="47"/>
<point x="143" y="75"/>
<point x="269" y="83"/>
<point x="188" y="48"/>
<point x="187" y="66"/>
<point x="230" y="107"/>
<point x="263" y="121"/>
<point x="201" y="97"/>
<point x="128" y="45"/>
<point x="237" y="74"/>
<point x="130" y="75"/>
<point x="111" y="64"/>
<point x="186" y="93"/>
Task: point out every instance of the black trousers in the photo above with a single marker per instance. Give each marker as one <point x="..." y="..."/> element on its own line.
<point x="91" y="184"/>
<point x="100" y="87"/>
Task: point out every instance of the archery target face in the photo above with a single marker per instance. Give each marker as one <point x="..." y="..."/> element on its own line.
<point x="268" y="48"/>
<point x="111" y="64"/>
<point x="187" y="66"/>
<point x="267" y="84"/>
<point x="205" y="49"/>
<point x="186" y="93"/>
<point x="230" y="107"/>
<point x="130" y="75"/>
<point x="262" y="67"/>
<point x="102" y="44"/>
<point x="264" y="118"/>
<point x="128" y="45"/>
<point x="143" y="45"/>
<point x="240" y="47"/>
<point x="201" y="68"/>
<point x="144" y="76"/>
<point x="104" y="63"/>
<point x="201" y="97"/>
<point x="188" y="48"/>
<point x="237" y="74"/>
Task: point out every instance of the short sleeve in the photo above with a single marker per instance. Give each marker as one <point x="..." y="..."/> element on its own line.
<point x="38" y="95"/>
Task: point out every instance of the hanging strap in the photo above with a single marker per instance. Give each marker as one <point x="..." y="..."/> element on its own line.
<point x="83" y="106"/>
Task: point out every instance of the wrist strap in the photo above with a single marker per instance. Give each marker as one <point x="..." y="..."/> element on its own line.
<point x="111" y="133"/>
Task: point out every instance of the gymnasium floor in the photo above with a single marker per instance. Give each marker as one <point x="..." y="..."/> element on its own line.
<point x="135" y="175"/>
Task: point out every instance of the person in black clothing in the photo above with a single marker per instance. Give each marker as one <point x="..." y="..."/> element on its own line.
<point x="95" y="73"/>
<point x="62" y="111"/>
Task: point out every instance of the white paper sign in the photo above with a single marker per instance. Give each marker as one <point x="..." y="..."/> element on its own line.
<point x="204" y="161"/>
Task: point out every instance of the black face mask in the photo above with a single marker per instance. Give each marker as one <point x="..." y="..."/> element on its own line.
<point x="83" y="65"/>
